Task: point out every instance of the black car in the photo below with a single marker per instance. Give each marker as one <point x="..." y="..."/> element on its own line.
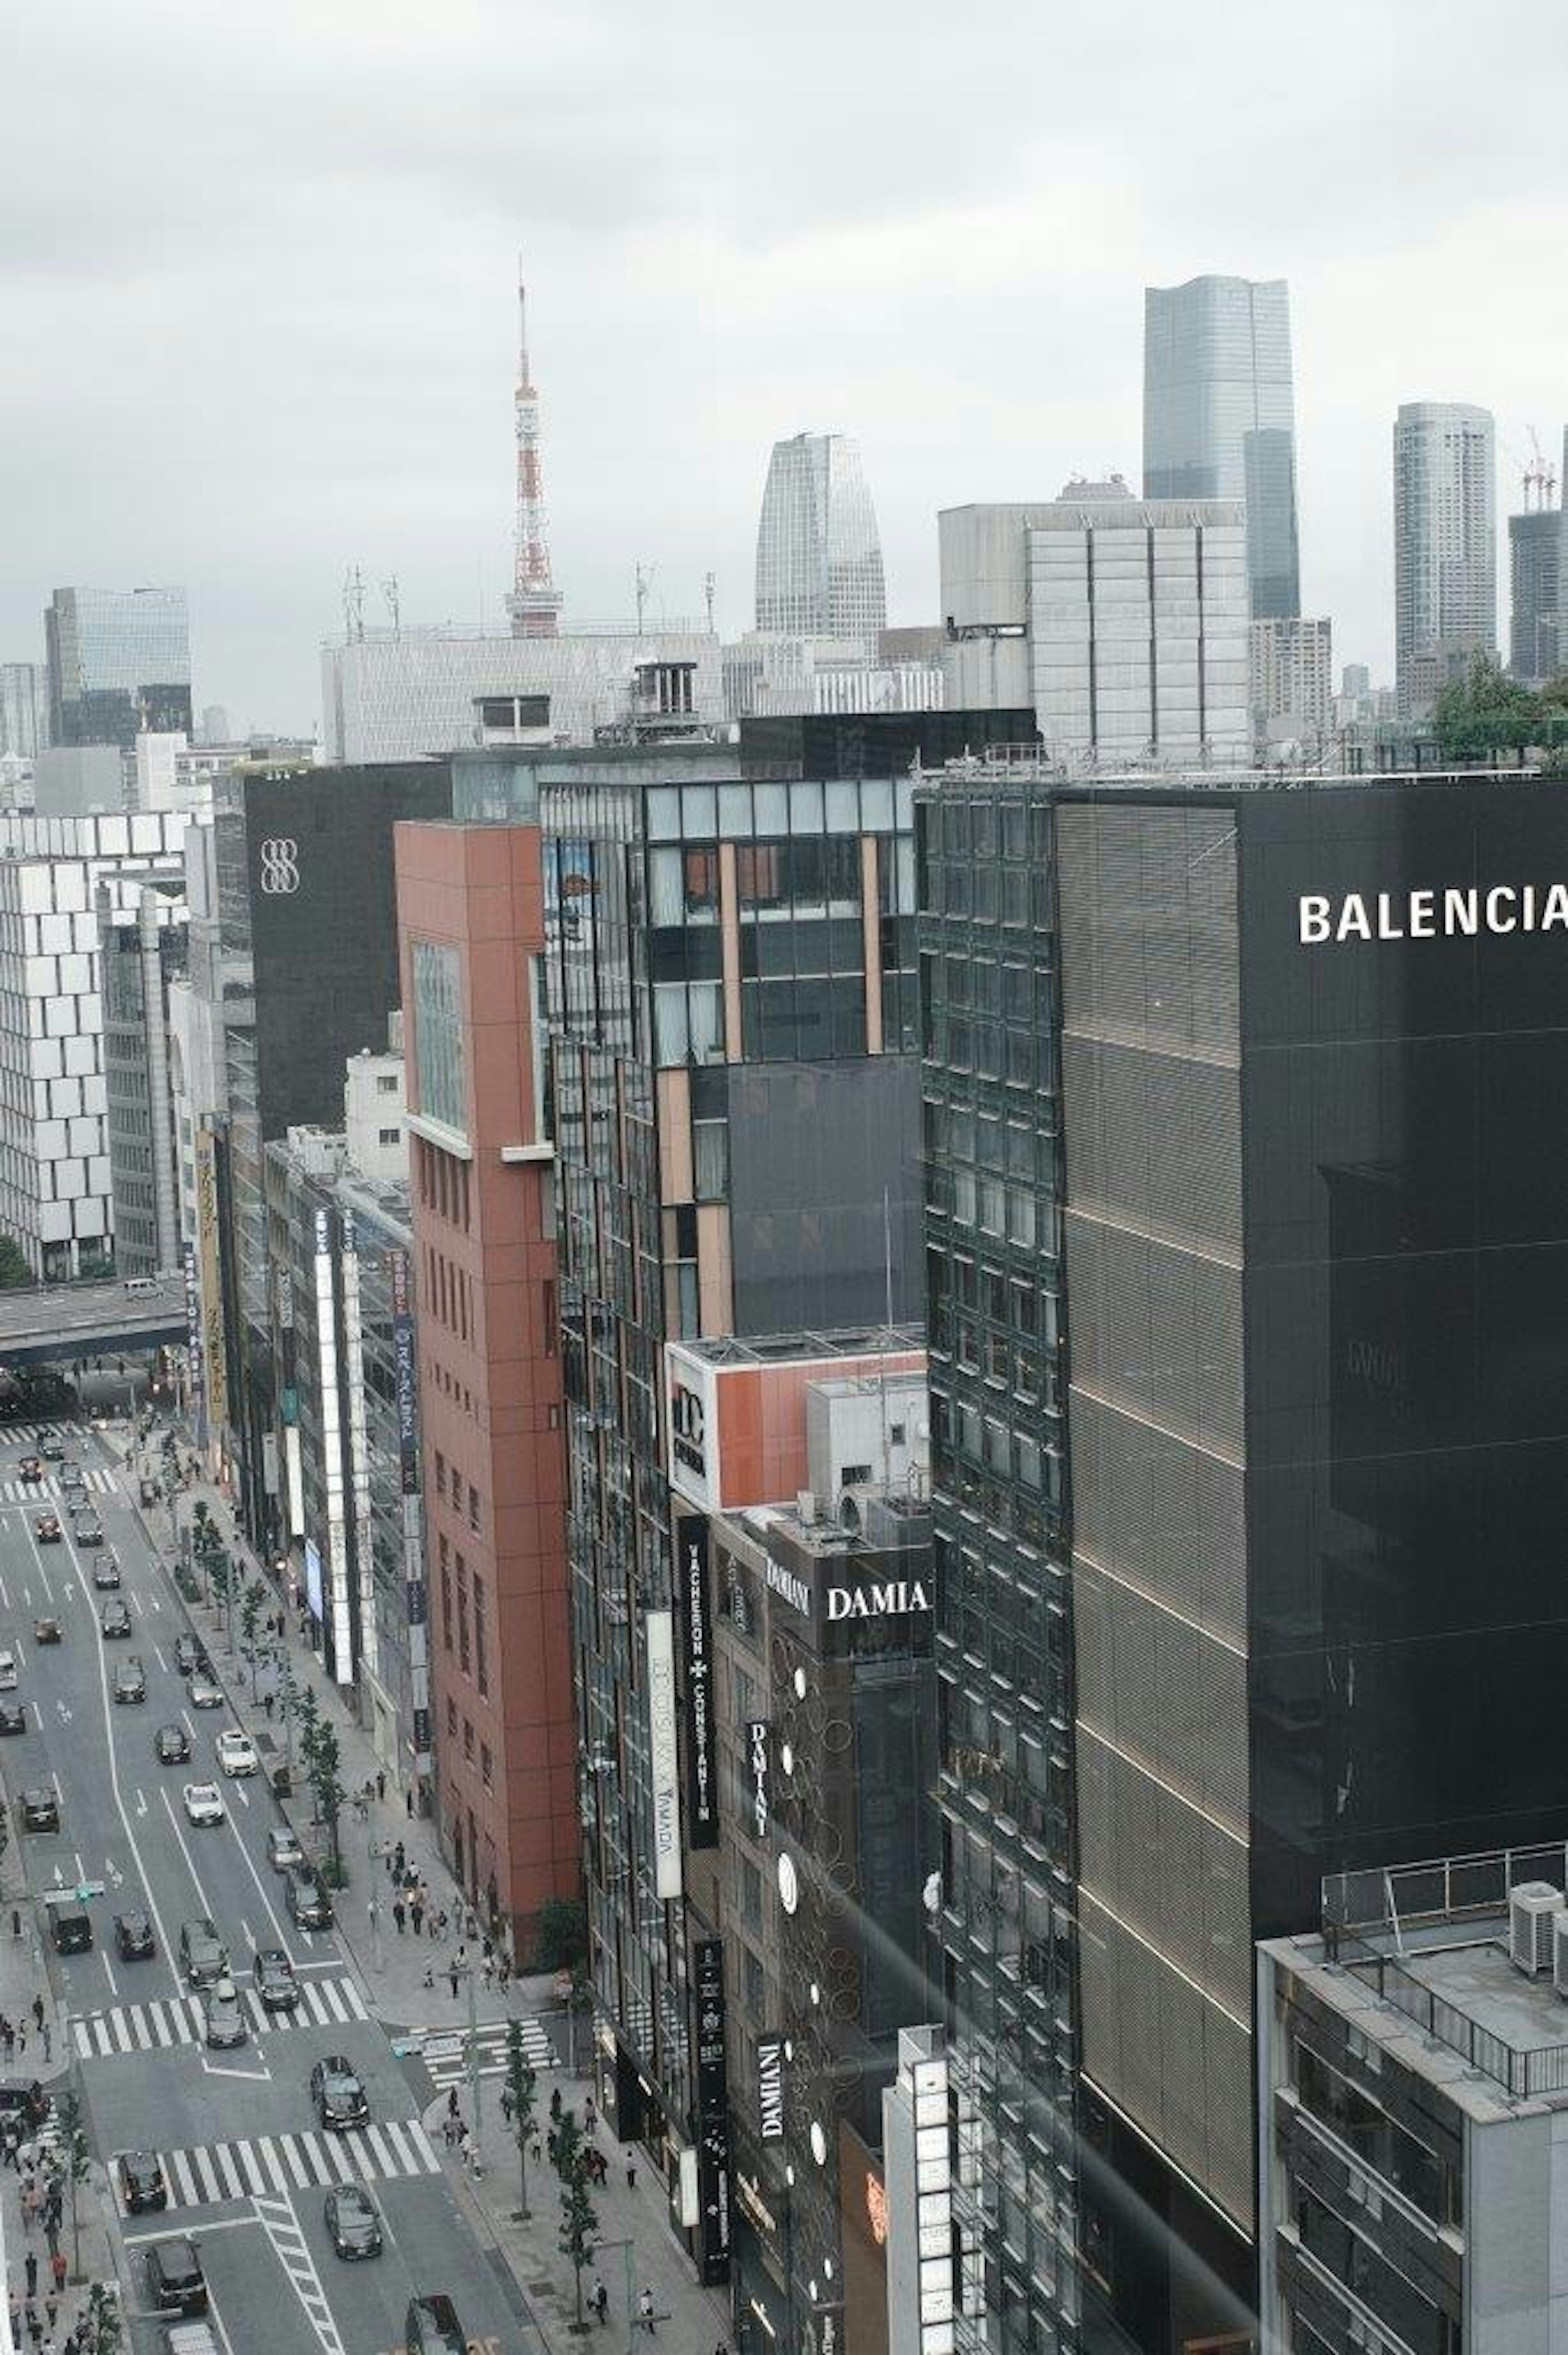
<point x="133" y="1937"/>
<point x="203" y="1956"/>
<point x="353" y="2220"/>
<point x="308" y="1900"/>
<point x="139" y="2180"/>
<point x="338" y="2094"/>
<point x="172" y="1744"/>
<point x="12" y="1716"/>
<point x="106" y="1574"/>
<point x="273" y="1975"/>
<point x="189" y="1655"/>
<point x="176" y="2282"/>
<point x="40" y="1809"/>
<point x="114" y="1619"/>
<point x="70" y="1927"/>
<point x="46" y="1631"/>
<point x="131" y="1680"/>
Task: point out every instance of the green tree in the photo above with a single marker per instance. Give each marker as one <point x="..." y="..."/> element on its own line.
<point x="518" y="2096"/>
<point x="76" y="2156"/>
<point x="1486" y="712"/>
<point x="308" y="1717"/>
<point x="15" y="1272"/>
<point x="102" y="2322"/>
<point x="579" y="2222"/>
<point x="327" y="1783"/>
<point x="249" y="1620"/>
<point x="560" y="1933"/>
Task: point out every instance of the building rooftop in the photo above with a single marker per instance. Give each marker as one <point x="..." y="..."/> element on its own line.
<point x="1419" y="1958"/>
<point x="780" y="1348"/>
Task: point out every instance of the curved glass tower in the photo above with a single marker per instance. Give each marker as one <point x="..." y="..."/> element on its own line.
<point x="819" y="560"/>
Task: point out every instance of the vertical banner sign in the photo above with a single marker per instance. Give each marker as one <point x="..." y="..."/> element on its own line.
<point x="759" y="1809"/>
<point x="771" y="2088"/>
<point x="193" y="1337"/>
<point x="713" y="2111"/>
<point x="696" y="1646"/>
<point x="403" y="1361"/>
<point x="214" y="1345"/>
<point x="663" y="1753"/>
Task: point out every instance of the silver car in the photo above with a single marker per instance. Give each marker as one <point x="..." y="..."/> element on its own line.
<point x="223" y="2020"/>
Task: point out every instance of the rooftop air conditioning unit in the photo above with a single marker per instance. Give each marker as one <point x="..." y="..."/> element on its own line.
<point x="806" y="1508"/>
<point x="1531" y="1907"/>
<point x="1559" y="1953"/>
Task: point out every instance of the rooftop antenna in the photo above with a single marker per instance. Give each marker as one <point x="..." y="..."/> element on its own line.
<point x="389" y="590"/>
<point x="353" y="604"/>
<point x="644" y="583"/>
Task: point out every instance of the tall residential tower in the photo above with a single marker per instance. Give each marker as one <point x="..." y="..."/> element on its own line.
<point x="819" y="559"/>
<point x="1219" y="417"/>
<point x="1445" y="545"/>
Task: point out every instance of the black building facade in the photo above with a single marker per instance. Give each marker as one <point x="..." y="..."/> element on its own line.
<point x="306" y="961"/>
<point x="1312" y="1212"/>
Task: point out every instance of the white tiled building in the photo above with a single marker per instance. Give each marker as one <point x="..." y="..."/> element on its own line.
<point x="56" y="1197"/>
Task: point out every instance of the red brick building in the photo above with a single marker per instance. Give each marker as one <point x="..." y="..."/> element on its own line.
<point x="470" y="929"/>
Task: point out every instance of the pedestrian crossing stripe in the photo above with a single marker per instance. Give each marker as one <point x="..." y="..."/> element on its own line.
<point x="278" y="2166"/>
<point x="453" y="2068"/>
<point x="179" y="2020"/>
<point x="49" y="1492"/>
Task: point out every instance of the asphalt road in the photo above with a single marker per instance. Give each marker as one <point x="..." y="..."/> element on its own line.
<point x="235" y="2130"/>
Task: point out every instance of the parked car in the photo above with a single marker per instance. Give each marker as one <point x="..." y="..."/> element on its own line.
<point x="40" y="1809"/>
<point x="173" y="1745"/>
<point x="12" y="1717"/>
<point x="353" y="2220"/>
<point x="338" y="2094"/>
<point x="176" y="2282"/>
<point x="277" y="1987"/>
<point x="203" y="1803"/>
<point x="131" y="1680"/>
<point x="432" y="2327"/>
<point x="46" y="1631"/>
<point x="308" y="1900"/>
<point x="223" y="2016"/>
<point x="133" y="1937"/>
<point x="47" y="1528"/>
<point x="203" y="1956"/>
<point x="139" y="2179"/>
<point x="284" y="1849"/>
<point x="236" y="1751"/>
<point x="115" y="1620"/>
<point x="106" y="1574"/>
<point x="204" y="1693"/>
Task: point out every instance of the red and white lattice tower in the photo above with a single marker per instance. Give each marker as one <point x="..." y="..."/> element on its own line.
<point x="535" y="603"/>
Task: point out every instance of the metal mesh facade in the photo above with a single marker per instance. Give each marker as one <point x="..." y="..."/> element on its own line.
<point x="1156" y="1416"/>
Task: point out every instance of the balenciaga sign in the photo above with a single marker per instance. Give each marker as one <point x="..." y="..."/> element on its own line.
<point x="1456" y="913"/>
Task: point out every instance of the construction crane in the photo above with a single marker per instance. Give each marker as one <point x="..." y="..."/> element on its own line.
<point x="1544" y="476"/>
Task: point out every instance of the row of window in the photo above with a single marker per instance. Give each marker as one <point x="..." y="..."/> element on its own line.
<point x="486" y="1762"/>
<point x="443" y="1181"/>
<point x="468" y="1622"/>
<point x="449" y="1487"/>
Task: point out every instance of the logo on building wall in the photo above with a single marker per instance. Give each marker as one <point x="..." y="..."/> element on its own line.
<point x="663" y="1753"/>
<point x="771" y="2088"/>
<point x="280" y="866"/>
<point x="757" y="1774"/>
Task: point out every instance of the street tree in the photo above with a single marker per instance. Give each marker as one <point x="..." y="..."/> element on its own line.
<point x="308" y="1717"/>
<point x="327" y="1783"/>
<point x="579" y="2222"/>
<point x="249" y="1621"/>
<point x="517" y="2099"/>
<point x="15" y="1272"/>
<point x="76" y="2158"/>
<point x="102" y="2322"/>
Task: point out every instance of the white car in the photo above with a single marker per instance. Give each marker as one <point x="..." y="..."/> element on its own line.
<point x="236" y="1751"/>
<point x="203" y="1803"/>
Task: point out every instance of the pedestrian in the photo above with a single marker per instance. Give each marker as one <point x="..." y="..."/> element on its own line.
<point x="556" y="2106"/>
<point x="488" y="1966"/>
<point x="37" y="2011"/>
<point x="400" y="1861"/>
<point x="268" y="1704"/>
<point x="22" y="2039"/>
<point x="59" y="2267"/>
<point x="15" y="2324"/>
<point x="645" y="2312"/>
<point x="588" y="2115"/>
<point x="452" y="1976"/>
<point x="7" y="2037"/>
<point x="408" y="1802"/>
<point x="32" y="2273"/>
<point x="35" y="2327"/>
<point x="448" y="2130"/>
<point x="598" y="2299"/>
<point x="429" y="1977"/>
<point x="631" y="2175"/>
<point x="51" y="2311"/>
<point x="381" y="1783"/>
<point x="441" y="1923"/>
<point x="15" y="1923"/>
<point x="397" y="1914"/>
<point x="551" y="2144"/>
<point x="452" y="2101"/>
<point x="416" y="1915"/>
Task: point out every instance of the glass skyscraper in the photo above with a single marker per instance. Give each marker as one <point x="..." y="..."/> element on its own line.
<point x="1445" y="545"/>
<point x="819" y="559"/>
<point x="119" y="664"/>
<point x="1219" y="417"/>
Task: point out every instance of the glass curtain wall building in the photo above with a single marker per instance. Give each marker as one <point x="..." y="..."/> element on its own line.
<point x="119" y="664"/>
<point x="1444" y="546"/>
<point x="1219" y="417"/>
<point x="819" y="558"/>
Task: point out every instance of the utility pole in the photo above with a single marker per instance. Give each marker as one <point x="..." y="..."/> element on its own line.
<point x="473" y="2082"/>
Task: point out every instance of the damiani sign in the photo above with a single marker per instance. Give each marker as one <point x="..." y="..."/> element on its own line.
<point x="1433" y="915"/>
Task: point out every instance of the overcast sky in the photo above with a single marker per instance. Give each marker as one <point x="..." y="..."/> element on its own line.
<point x="258" y="267"/>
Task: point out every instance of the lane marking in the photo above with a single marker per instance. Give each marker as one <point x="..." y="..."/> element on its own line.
<point x="190" y="1862"/>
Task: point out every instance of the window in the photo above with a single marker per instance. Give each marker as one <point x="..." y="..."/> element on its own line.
<point x="486" y="1766"/>
<point x="446" y="1601"/>
<point x="451" y="1719"/>
<point x="438" y="1034"/>
<point x="854" y="1475"/>
<point x="468" y="1741"/>
<point x="386" y="1083"/>
<point x="388" y="1135"/>
<point x="440" y="1476"/>
<point x="473" y="1506"/>
<point x="481" y="1651"/>
<point x="463" y="1612"/>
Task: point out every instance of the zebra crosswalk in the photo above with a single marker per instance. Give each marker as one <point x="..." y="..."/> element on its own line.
<point x="446" y="2056"/>
<point x="178" y="2019"/>
<point x="97" y="1482"/>
<point x="277" y="2166"/>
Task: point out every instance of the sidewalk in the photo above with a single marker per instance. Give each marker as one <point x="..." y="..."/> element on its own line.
<point x="639" y="2249"/>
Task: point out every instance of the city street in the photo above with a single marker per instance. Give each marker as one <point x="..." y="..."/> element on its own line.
<point x="234" y="2130"/>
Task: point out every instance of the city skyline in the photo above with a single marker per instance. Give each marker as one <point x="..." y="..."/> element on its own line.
<point x="389" y="445"/>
